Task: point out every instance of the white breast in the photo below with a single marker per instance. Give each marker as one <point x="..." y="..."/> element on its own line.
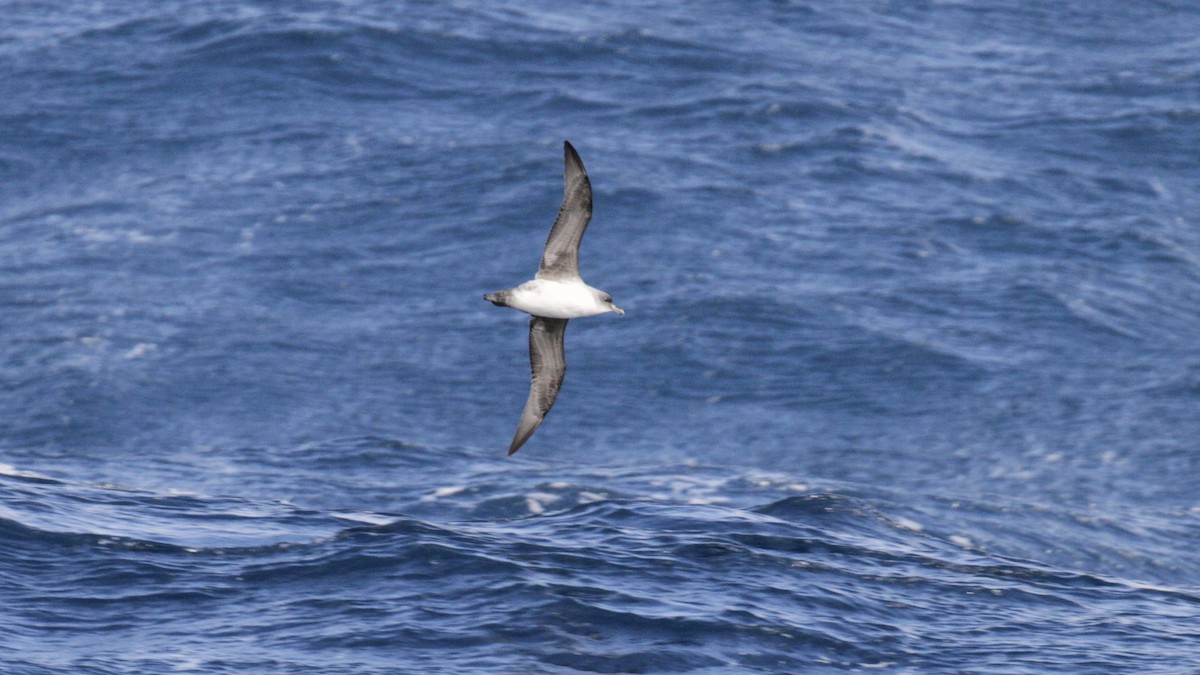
<point x="556" y="299"/>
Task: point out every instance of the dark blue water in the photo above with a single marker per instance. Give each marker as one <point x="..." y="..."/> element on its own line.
<point x="909" y="378"/>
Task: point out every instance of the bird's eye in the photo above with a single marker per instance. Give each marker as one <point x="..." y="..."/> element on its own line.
<point x="608" y="298"/>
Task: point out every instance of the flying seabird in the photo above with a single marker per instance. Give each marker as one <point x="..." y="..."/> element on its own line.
<point x="556" y="295"/>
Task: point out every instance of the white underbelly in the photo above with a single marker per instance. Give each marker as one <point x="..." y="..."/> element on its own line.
<point x="556" y="299"/>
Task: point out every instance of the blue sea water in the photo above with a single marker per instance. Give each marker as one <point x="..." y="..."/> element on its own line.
<point x="909" y="378"/>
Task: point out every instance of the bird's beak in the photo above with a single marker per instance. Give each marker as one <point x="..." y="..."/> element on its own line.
<point x="616" y="309"/>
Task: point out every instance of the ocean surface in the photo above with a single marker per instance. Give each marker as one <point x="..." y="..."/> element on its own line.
<point x="909" y="379"/>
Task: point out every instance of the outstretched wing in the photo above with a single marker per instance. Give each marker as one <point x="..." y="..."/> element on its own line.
<point x="560" y="259"/>
<point x="548" y="363"/>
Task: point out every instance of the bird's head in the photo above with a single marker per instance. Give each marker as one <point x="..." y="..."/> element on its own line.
<point x="606" y="300"/>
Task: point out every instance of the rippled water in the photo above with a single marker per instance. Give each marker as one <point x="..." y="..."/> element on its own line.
<point x="909" y="378"/>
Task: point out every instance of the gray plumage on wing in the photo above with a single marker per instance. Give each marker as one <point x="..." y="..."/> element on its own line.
<point x="547" y="366"/>
<point x="560" y="258"/>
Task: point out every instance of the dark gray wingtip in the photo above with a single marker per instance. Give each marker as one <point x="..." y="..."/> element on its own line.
<point x="524" y="432"/>
<point x="520" y="438"/>
<point x="572" y="157"/>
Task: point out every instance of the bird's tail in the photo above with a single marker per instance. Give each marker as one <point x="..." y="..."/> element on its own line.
<point x="499" y="298"/>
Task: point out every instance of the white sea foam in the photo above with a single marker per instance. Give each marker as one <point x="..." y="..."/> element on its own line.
<point x="140" y="349"/>
<point x="10" y="470"/>
<point x="368" y="517"/>
<point x="447" y="491"/>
